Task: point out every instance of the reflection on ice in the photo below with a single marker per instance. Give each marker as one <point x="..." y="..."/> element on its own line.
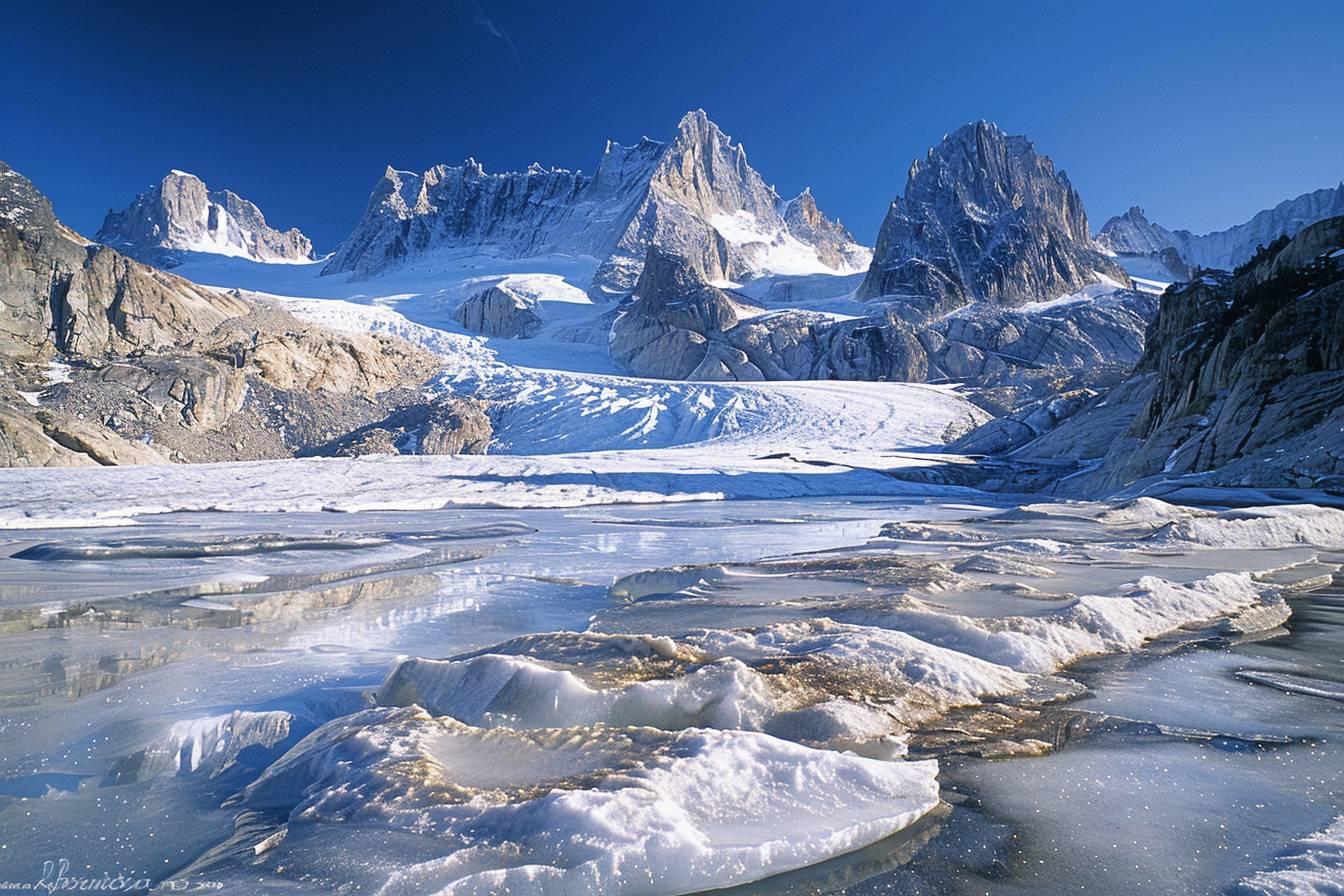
<point x="474" y="702"/>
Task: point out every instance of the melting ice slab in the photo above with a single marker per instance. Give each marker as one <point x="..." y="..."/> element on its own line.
<point x="592" y="810"/>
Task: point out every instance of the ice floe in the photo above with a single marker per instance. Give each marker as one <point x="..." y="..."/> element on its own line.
<point x="591" y="809"/>
<point x="1261" y="527"/>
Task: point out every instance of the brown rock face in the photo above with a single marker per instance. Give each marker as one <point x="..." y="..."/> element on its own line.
<point x="158" y="369"/>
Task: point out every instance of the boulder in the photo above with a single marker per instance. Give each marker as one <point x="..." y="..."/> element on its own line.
<point x="500" y="311"/>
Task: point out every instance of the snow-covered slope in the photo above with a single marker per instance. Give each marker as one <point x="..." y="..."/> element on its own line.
<point x="696" y="196"/>
<point x="180" y="215"/>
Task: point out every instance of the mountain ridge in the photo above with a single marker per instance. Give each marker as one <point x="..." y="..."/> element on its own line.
<point x="107" y="360"/>
<point x="695" y="195"/>
<point x="1133" y="234"/>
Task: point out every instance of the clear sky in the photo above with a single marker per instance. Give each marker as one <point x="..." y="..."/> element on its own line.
<point x="1202" y="112"/>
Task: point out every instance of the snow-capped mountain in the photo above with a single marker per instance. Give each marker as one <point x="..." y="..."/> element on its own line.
<point x="1132" y="234"/>
<point x="985" y="218"/>
<point x="180" y="214"/>
<point x="695" y="196"/>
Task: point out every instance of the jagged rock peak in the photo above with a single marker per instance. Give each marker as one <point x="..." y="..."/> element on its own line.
<point x="1002" y="171"/>
<point x="985" y="218"/>
<point x="704" y="168"/>
<point x="21" y="204"/>
<point x="695" y="195"/>
<point x="180" y="214"/>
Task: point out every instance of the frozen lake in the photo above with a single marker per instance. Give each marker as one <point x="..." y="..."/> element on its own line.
<point x="904" y="695"/>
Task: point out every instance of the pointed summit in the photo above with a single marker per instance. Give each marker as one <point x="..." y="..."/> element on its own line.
<point x="985" y="218"/>
<point x="1133" y="234"/>
<point x="705" y="170"/>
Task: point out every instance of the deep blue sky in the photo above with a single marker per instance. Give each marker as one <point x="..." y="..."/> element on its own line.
<point x="1202" y="112"/>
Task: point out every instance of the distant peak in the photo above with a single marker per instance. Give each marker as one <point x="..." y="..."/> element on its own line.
<point x="181" y="214"/>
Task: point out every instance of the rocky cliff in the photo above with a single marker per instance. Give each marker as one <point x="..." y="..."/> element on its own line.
<point x="500" y="311"/>
<point x="107" y="360"/>
<point x="1241" y="381"/>
<point x="984" y="218"/>
<point x="695" y="196"/>
<point x="180" y="214"/>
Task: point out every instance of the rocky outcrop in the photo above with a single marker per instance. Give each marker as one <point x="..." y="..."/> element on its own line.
<point x="984" y="218"/>
<point x="678" y="326"/>
<point x="1014" y="429"/>
<point x="695" y="197"/>
<point x="500" y="311"/>
<point x="447" y="426"/>
<point x="674" y="325"/>
<point x="1242" y="380"/>
<point x="64" y="294"/>
<point x="833" y="243"/>
<point x="181" y="215"/>
<point x="1132" y="236"/>
<point x="260" y="385"/>
<point x="153" y="368"/>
